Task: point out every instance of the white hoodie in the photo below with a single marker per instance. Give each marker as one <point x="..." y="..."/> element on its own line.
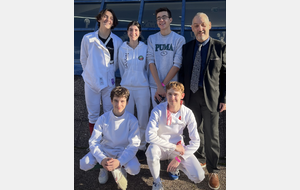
<point x="133" y="66"/>
<point x="98" y="71"/>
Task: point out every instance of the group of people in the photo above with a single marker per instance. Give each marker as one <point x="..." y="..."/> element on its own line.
<point x="186" y="84"/>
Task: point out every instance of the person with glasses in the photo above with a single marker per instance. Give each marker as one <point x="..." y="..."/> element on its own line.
<point x="164" y="55"/>
<point x="134" y="76"/>
<point x="98" y="57"/>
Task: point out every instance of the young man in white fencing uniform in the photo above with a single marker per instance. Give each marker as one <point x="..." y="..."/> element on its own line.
<point x="164" y="133"/>
<point x="114" y="142"/>
<point x="98" y="57"/>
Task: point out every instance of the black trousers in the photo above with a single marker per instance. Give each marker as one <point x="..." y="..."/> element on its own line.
<point x="208" y="129"/>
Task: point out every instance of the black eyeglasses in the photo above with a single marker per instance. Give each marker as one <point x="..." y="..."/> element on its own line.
<point x="163" y="17"/>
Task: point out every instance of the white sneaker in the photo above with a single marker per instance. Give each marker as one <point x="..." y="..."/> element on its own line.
<point x="157" y="186"/>
<point x="119" y="177"/>
<point x="103" y="176"/>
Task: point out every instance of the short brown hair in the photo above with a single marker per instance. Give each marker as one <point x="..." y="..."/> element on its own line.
<point x="176" y="86"/>
<point x="101" y="14"/>
<point x="163" y="9"/>
<point x="120" y="91"/>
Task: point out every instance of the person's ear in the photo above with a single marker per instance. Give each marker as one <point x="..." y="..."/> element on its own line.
<point x="182" y="96"/>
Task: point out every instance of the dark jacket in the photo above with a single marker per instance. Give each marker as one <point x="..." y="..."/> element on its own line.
<point x="214" y="80"/>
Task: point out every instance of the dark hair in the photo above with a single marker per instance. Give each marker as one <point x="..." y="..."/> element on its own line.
<point x="137" y="24"/>
<point x="101" y="14"/>
<point x="120" y="91"/>
<point x="163" y="9"/>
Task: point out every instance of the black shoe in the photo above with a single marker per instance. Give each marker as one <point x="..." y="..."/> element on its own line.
<point x="140" y="155"/>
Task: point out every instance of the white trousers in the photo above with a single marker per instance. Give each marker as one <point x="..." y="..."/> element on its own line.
<point x="141" y="98"/>
<point x="89" y="161"/>
<point x="93" y="101"/>
<point x="191" y="166"/>
<point x="153" y="90"/>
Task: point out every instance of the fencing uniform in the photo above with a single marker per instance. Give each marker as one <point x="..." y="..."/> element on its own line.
<point x="163" y="139"/>
<point x="98" y="72"/>
<point x="116" y="137"/>
<point x="134" y="73"/>
<point x="165" y="52"/>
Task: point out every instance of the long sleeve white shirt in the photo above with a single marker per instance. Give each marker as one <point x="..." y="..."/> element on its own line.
<point x="117" y="137"/>
<point x="133" y="66"/>
<point x="98" y="70"/>
<point x="159" y="133"/>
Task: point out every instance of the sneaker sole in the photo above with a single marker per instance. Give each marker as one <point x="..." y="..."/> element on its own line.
<point x="102" y="182"/>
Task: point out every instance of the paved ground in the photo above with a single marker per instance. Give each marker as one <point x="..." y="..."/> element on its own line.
<point x="88" y="180"/>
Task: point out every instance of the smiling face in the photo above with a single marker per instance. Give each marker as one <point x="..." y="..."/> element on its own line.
<point x="119" y="105"/>
<point x="133" y="33"/>
<point x="106" y="21"/>
<point x="201" y="26"/>
<point x="163" y="20"/>
<point x="174" y="97"/>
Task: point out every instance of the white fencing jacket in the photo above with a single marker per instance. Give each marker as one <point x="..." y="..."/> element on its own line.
<point x="159" y="133"/>
<point x="115" y="136"/>
<point x="133" y="66"/>
<point x="98" y="71"/>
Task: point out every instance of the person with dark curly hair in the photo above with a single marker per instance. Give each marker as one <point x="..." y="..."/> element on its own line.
<point x="114" y="141"/>
<point x="98" y="57"/>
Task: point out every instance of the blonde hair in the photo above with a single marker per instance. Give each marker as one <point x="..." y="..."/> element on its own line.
<point x="176" y="86"/>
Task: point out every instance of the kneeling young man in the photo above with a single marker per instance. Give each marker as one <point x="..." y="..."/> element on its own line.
<point x="165" y="135"/>
<point x="114" y="142"/>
